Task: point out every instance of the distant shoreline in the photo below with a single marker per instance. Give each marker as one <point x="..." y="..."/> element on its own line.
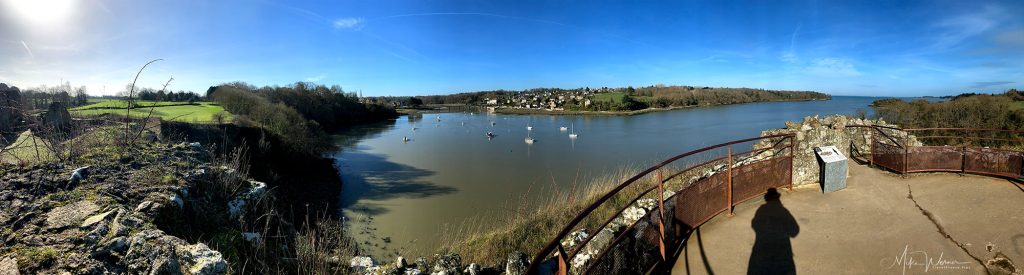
<point x="513" y="111"/>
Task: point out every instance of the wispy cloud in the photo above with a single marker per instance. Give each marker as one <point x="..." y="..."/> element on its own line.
<point x="1010" y="38"/>
<point x="790" y="56"/>
<point x="28" y="50"/>
<point x="833" y="66"/>
<point x="316" y="78"/>
<point x="986" y="84"/>
<point x="349" y="23"/>
<point x="957" y="29"/>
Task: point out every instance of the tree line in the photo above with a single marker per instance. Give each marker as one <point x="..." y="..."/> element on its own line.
<point x="301" y="113"/>
<point x="990" y="111"/>
<point x="660" y="96"/>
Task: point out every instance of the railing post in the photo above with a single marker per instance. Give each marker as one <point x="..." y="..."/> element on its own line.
<point x="871" y="140"/>
<point x="792" y="159"/>
<point x="563" y="261"/>
<point x="906" y="151"/>
<point x="661" y="221"/>
<point x="963" y="156"/>
<point x="728" y="181"/>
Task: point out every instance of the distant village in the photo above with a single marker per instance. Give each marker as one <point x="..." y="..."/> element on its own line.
<point x="551" y="100"/>
<point x="541" y="99"/>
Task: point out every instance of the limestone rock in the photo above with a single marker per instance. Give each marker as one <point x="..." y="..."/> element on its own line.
<point x="575" y="238"/>
<point x="516" y="264"/>
<point x="400" y="262"/>
<point x="95" y="219"/>
<point x="201" y="260"/>
<point x="447" y="265"/>
<point x="114" y="246"/>
<point x="473" y="269"/>
<point x="360" y="264"/>
<point x="70" y="215"/>
<point x="9" y="266"/>
<point x="422" y="264"/>
<point x="152" y="252"/>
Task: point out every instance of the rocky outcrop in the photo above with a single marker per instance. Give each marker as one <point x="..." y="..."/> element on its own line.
<point x="447" y="264"/>
<point x="101" y="219"/>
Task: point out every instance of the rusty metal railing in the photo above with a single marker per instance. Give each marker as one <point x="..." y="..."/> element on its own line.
<point x="695" y="203"/>
<point x="972" y="151"/>
<point x="961" y="150"/>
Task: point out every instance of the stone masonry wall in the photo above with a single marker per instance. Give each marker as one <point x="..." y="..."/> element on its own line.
<point x="835" y="130"/>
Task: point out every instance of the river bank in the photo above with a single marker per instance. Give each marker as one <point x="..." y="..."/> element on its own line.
<point x="521" y="111"/>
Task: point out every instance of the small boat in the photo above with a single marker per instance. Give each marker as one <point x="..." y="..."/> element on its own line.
<point x="493" y="123"/>
<point x="405" y="139"/>
<point x="490" y="135"/>
<point x="463" y="123"/>
<point x="563" y="128"/>
<point x="414" y="128"/>
<point x="529" y="128"/>
<point x="438" y="118"/>
<point x="529" y="140"/>
<point x="573" y="134"/>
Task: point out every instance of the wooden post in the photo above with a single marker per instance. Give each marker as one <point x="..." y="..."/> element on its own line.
<point x="728" y="181"/>
<point x="661" y="221"/>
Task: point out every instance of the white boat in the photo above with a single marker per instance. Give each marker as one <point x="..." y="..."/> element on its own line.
<point x="573" y="134"/>
<point x="405" y="139"/>
<point x="490" y="135"/>
<point x="563" y="128"/>
<point x="438" y="118"/>
<point x="529" y="140"/>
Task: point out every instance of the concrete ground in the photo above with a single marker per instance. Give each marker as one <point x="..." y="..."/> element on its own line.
<point x="874" y="226"/>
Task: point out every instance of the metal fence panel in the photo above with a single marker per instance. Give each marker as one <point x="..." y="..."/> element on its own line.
<point x="934" y="158"/>
<point x="886" y="155"/>
<point x="754" y="179"/>
<point x="994" y="161"/>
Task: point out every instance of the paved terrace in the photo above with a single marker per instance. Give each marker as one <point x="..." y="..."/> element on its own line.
<point x="881" y="223"/>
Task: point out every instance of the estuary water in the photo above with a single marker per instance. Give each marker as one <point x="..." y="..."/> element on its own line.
<point x="402" y="195"/>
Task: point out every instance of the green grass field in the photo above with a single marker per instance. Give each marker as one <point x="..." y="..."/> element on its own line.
<point x="1017" y="105"/>
<point x="28" y="147"/>
<point x="610" y="97"/>
<point x="201" y="112"/>
<point x="617" y="97"/>
<point x="98" y="104"/>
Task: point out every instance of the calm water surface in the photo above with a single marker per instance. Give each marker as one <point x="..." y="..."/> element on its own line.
<point x="401" y="196"/>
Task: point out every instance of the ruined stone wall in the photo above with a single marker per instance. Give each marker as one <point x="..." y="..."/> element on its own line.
<point x="839" y="131"/>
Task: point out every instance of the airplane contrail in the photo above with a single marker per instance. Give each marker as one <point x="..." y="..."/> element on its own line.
<point x="29" y="51"/>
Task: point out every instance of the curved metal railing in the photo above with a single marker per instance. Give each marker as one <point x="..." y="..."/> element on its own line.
<point x="963" y="150"/>
<point x="698" y="201"/>
<point x="691" y="211"/>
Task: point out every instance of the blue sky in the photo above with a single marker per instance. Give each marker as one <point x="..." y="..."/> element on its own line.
<point x="879" y="48"/>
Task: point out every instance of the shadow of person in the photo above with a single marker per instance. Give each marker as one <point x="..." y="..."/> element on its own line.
<point x="773" y="227"/>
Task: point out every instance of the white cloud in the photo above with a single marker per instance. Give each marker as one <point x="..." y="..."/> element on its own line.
<point x="316" y="78"/>
<point x="954" y="30"/>
<point x="789" y="57"/>
<point x="349" y="23"/>
<point x="832" y="66"/>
